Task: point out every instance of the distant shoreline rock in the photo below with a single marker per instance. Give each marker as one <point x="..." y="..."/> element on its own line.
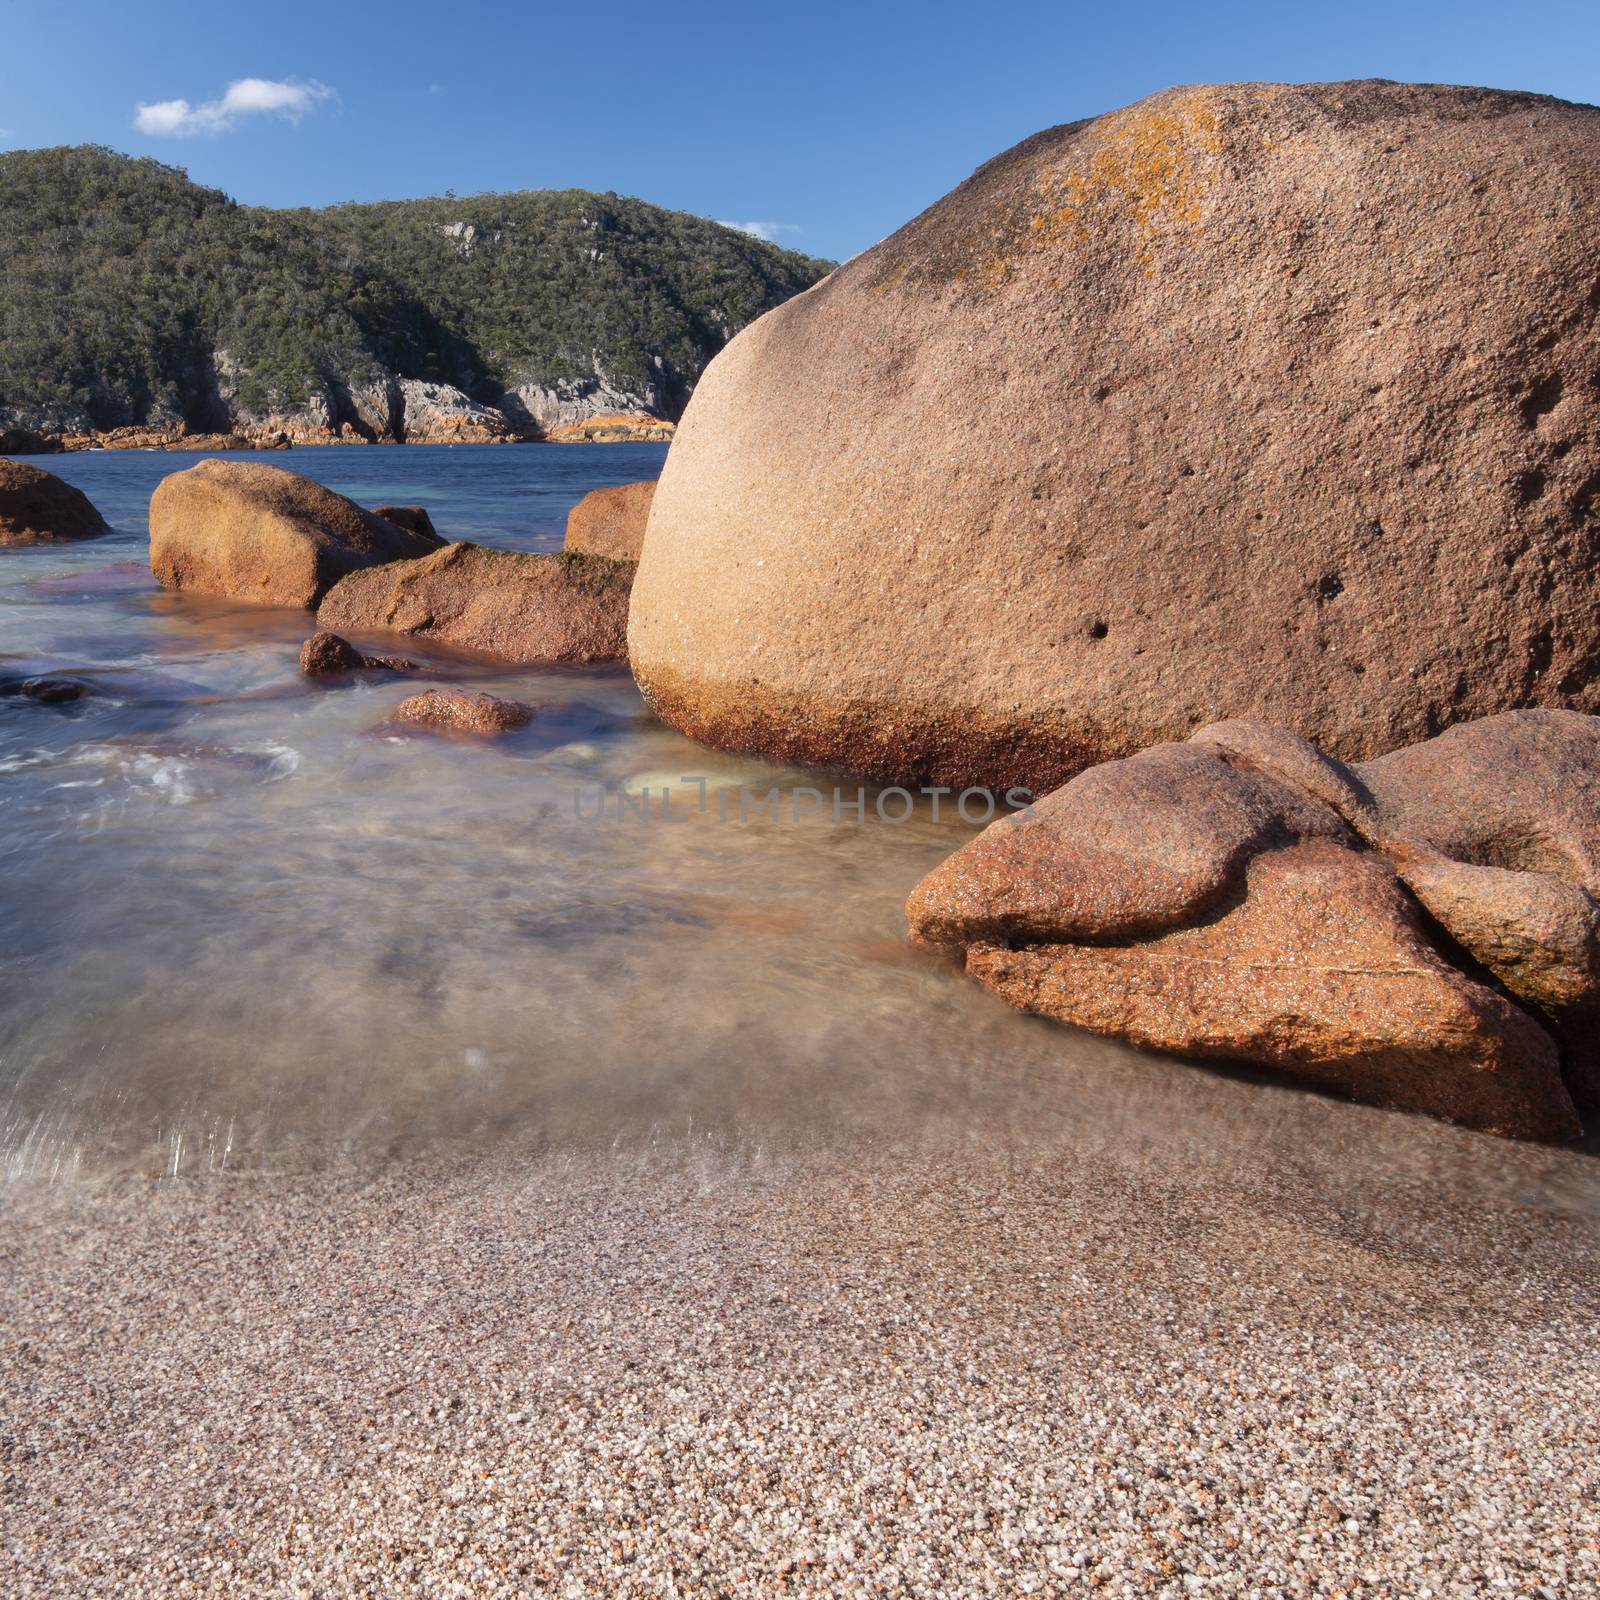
<point x="477" y="425"/>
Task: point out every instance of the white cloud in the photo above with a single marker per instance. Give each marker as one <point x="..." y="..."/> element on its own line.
<point x="245" y="97"/>
<point x="763" y="230"/>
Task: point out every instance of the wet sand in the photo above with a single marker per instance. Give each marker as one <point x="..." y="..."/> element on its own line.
<point x="690" y="1367"/>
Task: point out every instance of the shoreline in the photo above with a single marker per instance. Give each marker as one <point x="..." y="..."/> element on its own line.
<point x="207" y="444"/>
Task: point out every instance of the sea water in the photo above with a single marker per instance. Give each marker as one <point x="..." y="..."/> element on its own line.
<point x="246" y="923"/>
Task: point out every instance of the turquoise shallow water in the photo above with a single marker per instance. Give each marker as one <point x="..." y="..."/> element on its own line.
<point x="247" y="923"/>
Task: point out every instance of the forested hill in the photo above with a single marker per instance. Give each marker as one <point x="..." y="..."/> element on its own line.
<point x="130" y="295"/>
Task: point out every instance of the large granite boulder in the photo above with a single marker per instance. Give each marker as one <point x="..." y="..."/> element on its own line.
<point x="504" y="603"/>
<point x="611" y="522"/>
<point x="1421" y="931"/>
<point x="1259" y="400"/>
<point x="36" y="507"/>
<point x="258" y="533"/>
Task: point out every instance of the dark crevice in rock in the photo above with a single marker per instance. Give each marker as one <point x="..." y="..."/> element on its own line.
<point x="1542" y="398"/>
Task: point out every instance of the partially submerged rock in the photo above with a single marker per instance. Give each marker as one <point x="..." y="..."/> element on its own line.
<point x="326" y="655"/>
<point x="460" y="712"/>
<point x="1408" y="932"/>
<point x="611" y="522"/>
<point x="36" y="507"/>
<point x="1269" y="400"/>
<point x="257" y="533"/>
<point x="49" y="690"/>
<point x="519" y="607"/>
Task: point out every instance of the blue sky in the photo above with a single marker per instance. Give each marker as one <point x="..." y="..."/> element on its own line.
<point x="829" y="123"/>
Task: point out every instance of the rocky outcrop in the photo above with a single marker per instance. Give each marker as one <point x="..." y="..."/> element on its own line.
<point x="459" y="712"/>
<point x="517" y="607"/>
<point x="382" y="410"/>
<point x="434" y="413"/>
<point x="326" y="655"/>
<point x="611" y="522"/>
<point x="629" y="428"/>
<point x="1420" y="931"/>
<point x="36" y="507"/>
<point x="549" y="408"/>
<point x="1259" y="400"/>
<point x="40" y="430"/>
<point x="29" y="442"/>
<point x="257" y="533"/>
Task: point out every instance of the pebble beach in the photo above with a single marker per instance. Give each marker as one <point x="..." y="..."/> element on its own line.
<point x="703" y="1367"/>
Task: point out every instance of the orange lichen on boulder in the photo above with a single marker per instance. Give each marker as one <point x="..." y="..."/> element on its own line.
<point x="1145" y="166"/>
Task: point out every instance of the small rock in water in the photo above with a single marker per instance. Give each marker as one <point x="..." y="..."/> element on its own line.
<point x="469" y="713"/>
<point x="51" y="690"/>
<point x="326" y="654"/>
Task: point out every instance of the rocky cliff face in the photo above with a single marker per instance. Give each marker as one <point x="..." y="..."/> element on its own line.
<point x="380" y="410"/>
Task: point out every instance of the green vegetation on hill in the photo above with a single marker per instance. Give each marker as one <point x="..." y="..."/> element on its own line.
<point x="120" y="281"/>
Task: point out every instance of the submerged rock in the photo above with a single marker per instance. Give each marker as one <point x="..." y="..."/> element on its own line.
<point x="36" y="507"/>
<point x="1408" y="932"/>
<point x="326" y="655"/>
<point x="521" y="608"/>
<point x="465" y="713"/>
<point x="1256" y="400"/>
<point x="611" y="522"/>
<point x="257" y="533"/>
